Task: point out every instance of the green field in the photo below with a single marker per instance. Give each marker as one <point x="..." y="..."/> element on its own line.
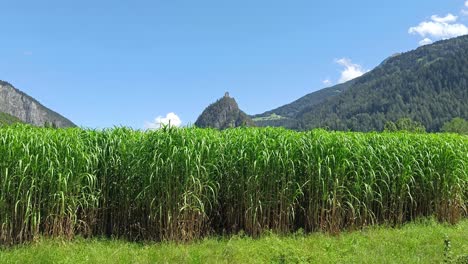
<point x="187" y="184"/>
<point x="413" y="243"/>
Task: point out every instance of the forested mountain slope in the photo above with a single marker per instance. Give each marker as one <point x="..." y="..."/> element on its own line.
<point x="428" y="85"/>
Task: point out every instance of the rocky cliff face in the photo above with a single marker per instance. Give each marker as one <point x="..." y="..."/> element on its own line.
<point x="222" y="114"/>
<point x="27" y="109"/>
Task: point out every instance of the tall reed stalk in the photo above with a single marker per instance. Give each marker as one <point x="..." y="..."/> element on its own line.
<point x="184" y="184"/>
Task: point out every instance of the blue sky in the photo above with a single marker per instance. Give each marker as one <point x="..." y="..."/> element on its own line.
<point x="105" y="63"/>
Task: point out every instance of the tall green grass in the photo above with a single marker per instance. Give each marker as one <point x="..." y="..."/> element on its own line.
<point x="184" y="184"/>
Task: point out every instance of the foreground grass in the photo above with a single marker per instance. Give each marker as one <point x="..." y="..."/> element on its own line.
<point x="189" y="183"/>
<point x="413" y="243"/>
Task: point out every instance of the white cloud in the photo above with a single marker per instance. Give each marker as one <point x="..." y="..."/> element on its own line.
<point x="171" y="119"/>
<point x="464" y="12"/>
<point x="425" y="41"/>
<point x="350" y="70"/>
<point x="449" y="18"/>
<point x="327" y="82"/>
<point x="439" y="28"/>
<point x="466" y="3"/>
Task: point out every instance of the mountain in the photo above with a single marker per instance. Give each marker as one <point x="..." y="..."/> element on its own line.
<point x="428" y="85"/>
<point x="285" y="116"/>
<point x="222" y="114"/>
<point x="15" y="103"/>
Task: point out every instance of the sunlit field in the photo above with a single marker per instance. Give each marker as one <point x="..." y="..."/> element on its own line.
<point x="188" y="184"/>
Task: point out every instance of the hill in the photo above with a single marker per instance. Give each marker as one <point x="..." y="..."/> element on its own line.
<point x="222" y="114"/>
<point x="6" y="119"/>
<point x="15" y="103"/>
<point x="428" y="85"/>
<point x="285" y="116"/>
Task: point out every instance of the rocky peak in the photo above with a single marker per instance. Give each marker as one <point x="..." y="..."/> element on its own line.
<point x="20" y="105"/>
<point x="222" y="114"/>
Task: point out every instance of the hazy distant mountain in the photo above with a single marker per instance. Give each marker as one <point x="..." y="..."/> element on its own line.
<point x="428" y="85"/>
<point x="17" y="104"/>
<point x="222" y="114"/>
